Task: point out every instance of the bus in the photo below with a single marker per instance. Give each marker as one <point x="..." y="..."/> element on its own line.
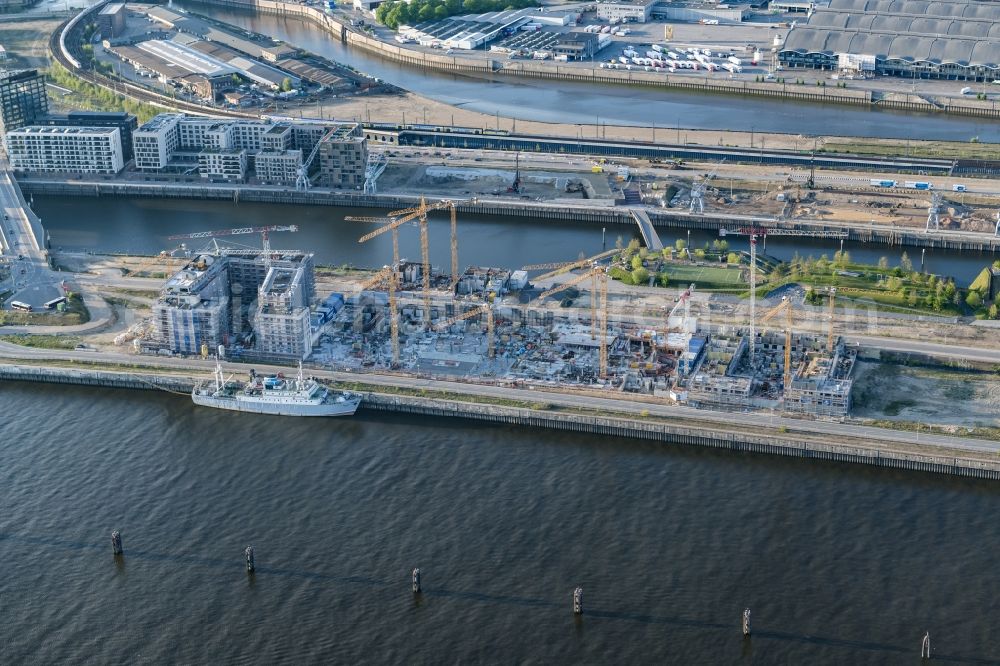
<point x="51" y="305"/>
<point x="18" y="305"/>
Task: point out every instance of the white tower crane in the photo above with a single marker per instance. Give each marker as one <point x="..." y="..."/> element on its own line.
<point x="302" y="181"/>
<point x="373" y="169"/>
<point x="263" y="231"/>
<point x="933" y="218"/>
<point x="698" y="192"/>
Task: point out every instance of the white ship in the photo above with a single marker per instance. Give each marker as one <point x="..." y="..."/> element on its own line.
<point x="275" y="395"/>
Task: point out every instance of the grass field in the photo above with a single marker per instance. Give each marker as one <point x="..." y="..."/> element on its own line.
<point x="685" y="273"/>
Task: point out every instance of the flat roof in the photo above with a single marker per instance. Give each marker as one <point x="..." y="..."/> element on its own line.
<point x="940" y="32"/>
<point x="184" y="57"/>
<point x="62" y="130"/>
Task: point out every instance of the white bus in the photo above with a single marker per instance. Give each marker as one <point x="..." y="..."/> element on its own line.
<point x="18" y="305"/>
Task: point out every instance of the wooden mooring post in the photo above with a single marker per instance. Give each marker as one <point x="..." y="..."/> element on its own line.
<point x="925" y="646"/>
<point x="116" y="542"/>
<point x="248" y="554"/>
<point x="746" y="622"/>
<point x="578" y="601"/>
<point x="416" y="581"/>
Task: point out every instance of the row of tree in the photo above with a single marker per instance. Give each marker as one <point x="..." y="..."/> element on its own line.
<point x="395" y="14"/>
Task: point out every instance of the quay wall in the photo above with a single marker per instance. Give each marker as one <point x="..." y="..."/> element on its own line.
<point x="546" y="70"/>
<point x="505" y="208"/>
<point x="669" y="433"/>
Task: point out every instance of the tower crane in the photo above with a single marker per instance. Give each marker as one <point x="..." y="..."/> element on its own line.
<point x="302" y="181"/>
<point x="598" y="308"/>
<point x="833" y="300"/>
<point x="397" y="218"/>
<point x="784" y="307"/>
<point x="388" y="277"/>
<point x="698" y="192"/>
<point x="560" y="267"/>
<point x="481" y="308"/>
<point x="263" y="231"/>
<point x="763" y="232"/>
<point x="933" y="213"/>
<point x="374" y="167"/>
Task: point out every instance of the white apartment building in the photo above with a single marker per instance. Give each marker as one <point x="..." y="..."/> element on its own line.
<point x="223" y="164"/>
<point x="155" y="141"/>
<point x="278" y="167"/>
<point x="71" y="149"/>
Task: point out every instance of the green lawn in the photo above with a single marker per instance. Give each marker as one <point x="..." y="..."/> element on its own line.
<point x="681" y="274"/>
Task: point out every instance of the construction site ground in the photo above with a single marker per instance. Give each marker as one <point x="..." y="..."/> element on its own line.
<point x="952" y="399"/>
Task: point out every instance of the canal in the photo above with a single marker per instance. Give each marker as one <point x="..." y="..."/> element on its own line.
<point x="578" y="103"/>
<point x="143" y="225"/>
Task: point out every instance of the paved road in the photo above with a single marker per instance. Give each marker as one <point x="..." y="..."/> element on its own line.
<point x="833" y="431"/>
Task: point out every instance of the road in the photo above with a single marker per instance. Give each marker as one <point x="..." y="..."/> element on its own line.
<point x="831" y="431"/>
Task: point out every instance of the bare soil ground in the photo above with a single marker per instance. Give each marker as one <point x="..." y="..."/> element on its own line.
<point x="934" y="396"/>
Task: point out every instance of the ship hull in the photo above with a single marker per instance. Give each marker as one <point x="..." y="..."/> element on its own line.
<point x="346" y="408"/>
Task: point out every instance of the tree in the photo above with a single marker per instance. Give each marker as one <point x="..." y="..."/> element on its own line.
<point x="680" y="244"/>
<point x="440" y="12"/>
<point x="636" y="262"/>
<point x="733" y="258"/>
<point x="883" y="263"/>
<point x="286" y="84"/>
<point x="905" y="264"/>
<point x="640" y="276"/>
<point x="699" y="253"/>
<point x="994" y="312"/>
<point x="643" y="252"/>
<point x="668" y="253"/>
<point x="426" y="13"/>
<point x="912" y="299"/>
<point x="974" y="300"/>
<point x="663" y="279"/>
<point x="619" y="243"/>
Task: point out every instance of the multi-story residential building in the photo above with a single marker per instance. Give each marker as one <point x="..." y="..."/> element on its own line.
<point x="156" y="141"/>
<point x="282" y="321"/>
<point x="223" y="298"/>
<point x="193" y="308"/>
<point x="230" y="165"/>
<point x="125" y="122"/>
<point x="340" y="162"/>
<point x="68" y="149"/>
<point x="343" y="155"/>
<point x="280" y="167"/>
<point x="22" y="99"/>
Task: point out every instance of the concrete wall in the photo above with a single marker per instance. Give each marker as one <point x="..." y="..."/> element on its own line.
<point x="670" y="433"/>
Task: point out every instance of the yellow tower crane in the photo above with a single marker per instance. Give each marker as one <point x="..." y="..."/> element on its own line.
<point x="478" y="310"/>
<point x="560" y="267"/>
<point x="786" y="307"/>
<point x="388" y="277"/>
<point x="598" y="308"/>
<point x="397" y="218"/>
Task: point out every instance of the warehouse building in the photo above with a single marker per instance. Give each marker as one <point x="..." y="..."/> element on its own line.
<point x="633" y="11"/>
<point x="65" y="149"/>
<point x="943" y="39"/>
<point x="111" y="20"/>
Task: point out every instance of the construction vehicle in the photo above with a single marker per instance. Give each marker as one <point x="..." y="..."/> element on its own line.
<point x="481" y="308"/>
<point x="784" y="307"/>
<point x="388" y="277"/>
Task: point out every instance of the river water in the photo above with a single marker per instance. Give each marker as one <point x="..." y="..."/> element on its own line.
<point x="143" y="225"/>
<point x="570" y="102"/>
<point x="839" y="564"/>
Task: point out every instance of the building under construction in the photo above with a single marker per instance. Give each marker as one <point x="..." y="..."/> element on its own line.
<point x="256" y="305"/>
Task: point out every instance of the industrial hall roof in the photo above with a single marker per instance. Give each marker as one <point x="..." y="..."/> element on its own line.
<point x="940" y="32"/>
